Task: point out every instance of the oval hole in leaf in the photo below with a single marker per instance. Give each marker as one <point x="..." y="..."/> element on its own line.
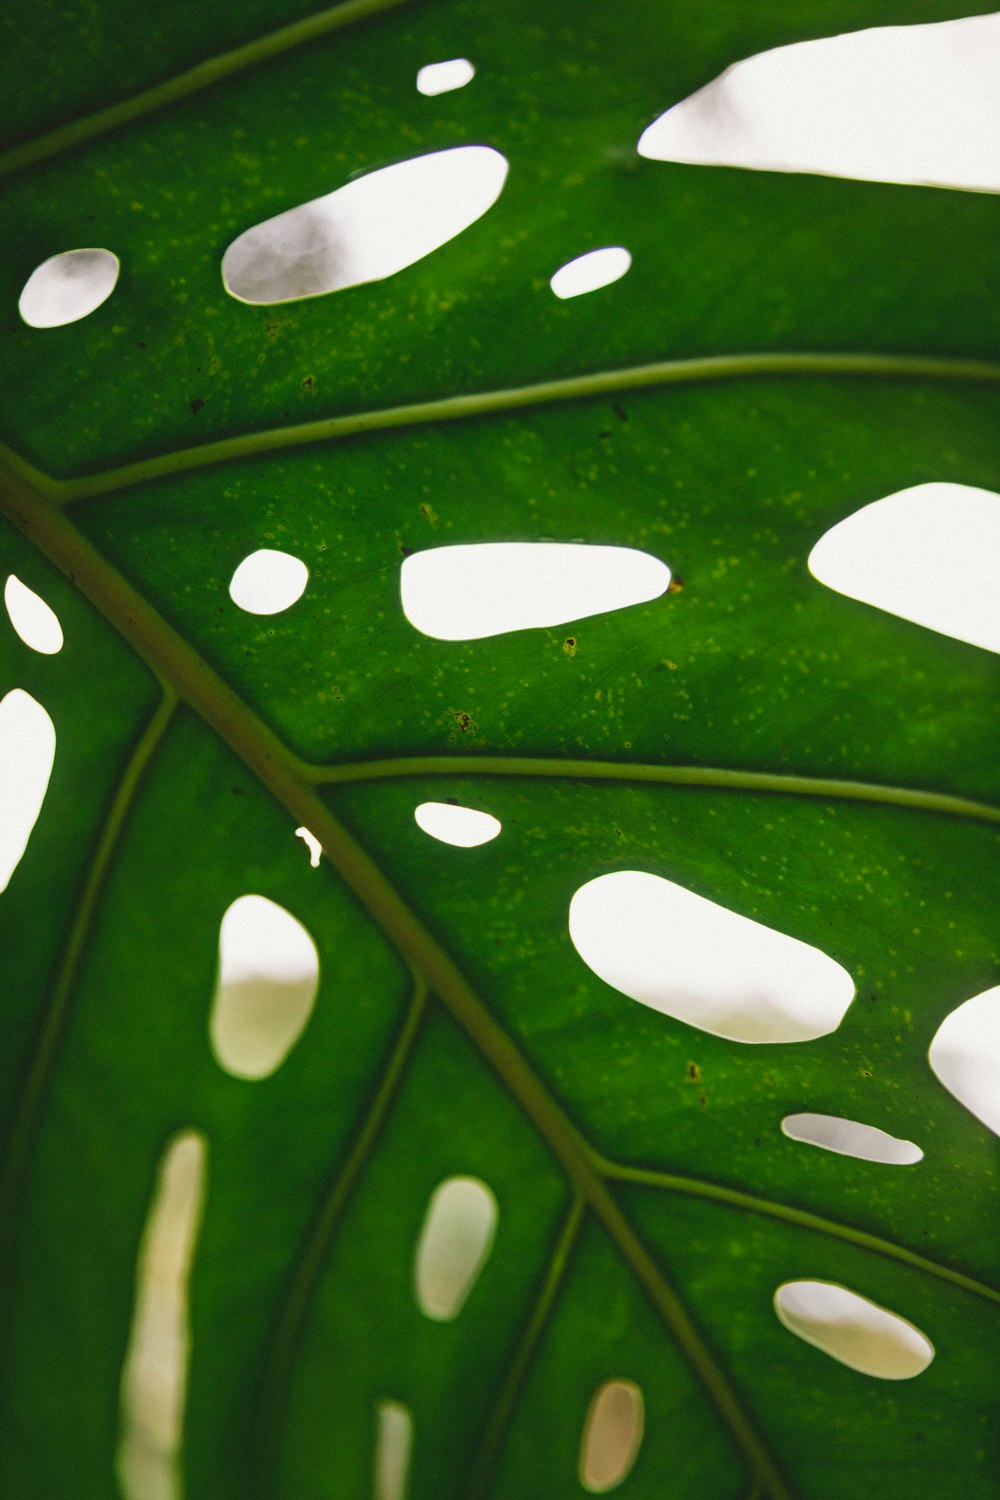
<point x="589" y="272"/>
<point x="267" y="582"/>
<point x="454" y="1245"/>
<point x="443" y="77"/>
<point x="393" y="1445"/>
<point x="965" y="1056"/>
<point x="851" y="1138"/>
<point x="34" y="621"/>
<point x="27" y="752"/>
<point x="930" y="554"/>
<point x="367" y="230"/>
<point x="266" y="987"/>
<point x="465" y="827"/>
<point x="68" y="287"/>
<point x="849" y="1328"/>
<point x="700" y="963"/>
<point x="154" y="1376"/>
<point x="612" y="1435"/>
<point x="911" y="104"/>
<point x="470" y="591"/>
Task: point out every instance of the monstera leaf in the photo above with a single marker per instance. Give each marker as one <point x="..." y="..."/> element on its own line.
<point x="785" y="350"/>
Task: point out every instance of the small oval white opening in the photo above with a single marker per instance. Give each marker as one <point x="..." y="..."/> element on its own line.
<point x="851" y="1138"/>
<point x="587" y="273"/>
<point x="612" y="1435"/>
<point x="702" y="964"/>
<point x="965" y="1056"/>
<point x="393" y="1445"/>
<point x="442" y="77"/>
<point x="467" y="592"/>
<point x="861" y="1334"/>
<point x="911" y="104"/>
<point x="265" y="990"/>
<point x="68" y="287"/>
<point x="27" y="753"/>
<point x="34" y="621"/>
<point x="367" y="230"/>
<point x="930" y="554"/>
<point x="313" y="844"/>
<point x="465" y="827"/>
<point x="267" y="582"/>
<point x="454" y="1245"/>
<point x="154" y="1375"/>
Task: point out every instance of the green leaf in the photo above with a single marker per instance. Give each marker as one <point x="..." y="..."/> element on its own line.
<point x="784" y="350"/>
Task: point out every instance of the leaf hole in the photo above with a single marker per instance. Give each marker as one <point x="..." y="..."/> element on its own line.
<point x="851" y="1138"/>
<point x="33" y="620"/>
<point x="454" y="1244"/>
<point x="464" y="827"/>
<point x="612" y="1435"/>
<point x="268" y="582"/>
<point x="68" y="287"/>
<point x="851" y="1329"/>
<point x="965" y="1056"/>
<point x="393" y="1446"/>
<point x="588" y="273"/>
<point x="27" y="753"/>
<point x="265" y="990"/>
<point x="313" y="844"/>
<point x="444" y="77"/>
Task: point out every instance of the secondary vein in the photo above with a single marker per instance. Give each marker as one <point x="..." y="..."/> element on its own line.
<point x="515" y="398"/>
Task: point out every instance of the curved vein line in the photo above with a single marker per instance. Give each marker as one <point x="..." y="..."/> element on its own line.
<point x="694" y="1187"/>
<point x="21" y="1137"/>
<point x="279" y="772"/>
<point x="182" y="85"/>
<point x="573" y="388"/>
<point x="481" y="1467"/>
<point x="286" y="1330"/>
<point x="688" y="776"/>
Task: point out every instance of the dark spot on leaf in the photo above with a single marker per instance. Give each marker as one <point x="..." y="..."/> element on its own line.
<point x="196" y="405"/>
<point x="675" y="585"/>
<point x="465" y="722"/>
<point x="620" y="412"/>
<point x="604" y="434"/>
<point x="140" y="344"/>
<point x="309" y="383"/>
<point x="693" y="1072"/>
<point x="237" y="791"/>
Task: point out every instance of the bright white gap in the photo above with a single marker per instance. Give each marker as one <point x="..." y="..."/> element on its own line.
<point x="589" y="272"/>
<point x="909" y="104"/>
<point x="466" y="592"/>
<point x="393" y="1445"/>
<point x="267" y="582"/>
<point x="930" y="554"/>
<point x="371" y="228"/>
<point x="454" y="1245"/>
<point x="465" y="827"/>
<point x="700" y="963"/>
<point x="68" y="287"/>
<point x="851" y="1138"/>
<point x="965" y="1056"/>
<point x="849" y="1328"/>
<point x="154" y="1376"/>
<point x="612" y="1435"/>
<point x="27" y="752"/>
<point x="442" y="77"/>
<point x="313" y="844"/>
<point x="34" y="621"/>
<point x="265" y="990"/>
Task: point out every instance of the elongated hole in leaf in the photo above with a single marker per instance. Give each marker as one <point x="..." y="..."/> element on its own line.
<point x="858" y="1333"/>
<point x="313" y="844"/>
<point x="33" y="620"/>
<point x="587" y="273"/>
<point x="268" y="582"/>
<point x="454" y="1245"/>
<point x="68" y="287"/>
<point x="443" y="77"/>
<point x="265" y="990"/>
<point x="612" y="1435"/>
<point x="27" y="753"/>
<point x="465" y="827"/>
<point x="851" y="1138"/>
<point x="965" y="1056"/>
<point x="154" y="1376"/>
<point x="393" y="1445"/>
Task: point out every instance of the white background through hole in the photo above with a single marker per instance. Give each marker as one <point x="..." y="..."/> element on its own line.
<point x="443" y="77"/>
<point x="155" y="1370"/>
<point x="469" y="591"/>
<point x="851" y="1138"/>
<point x="34" y="621"/>
<point x="369" y="229"/>
<point x="266" y="987"/>
<point x="589" y="272"/>
<point x="313" y="844"/>
<point x="916" y="104"/>
<point x="393" y="1444"/>
<point x="454" y="1243"/>
<point x="701" y="963"/>
<point x="612" y="1434"/>
<point x="965" y="1056"/>
<point x="267" y="582"/>
<point x="68" y="287"/>
<point x="930" y="554"/>
<point x="27" y="753"/>
<point x="853" y="1330"/>
<point x="465" y="827"/>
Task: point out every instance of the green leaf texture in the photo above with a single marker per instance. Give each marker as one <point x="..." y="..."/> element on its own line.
<point x="784" y="350"/>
